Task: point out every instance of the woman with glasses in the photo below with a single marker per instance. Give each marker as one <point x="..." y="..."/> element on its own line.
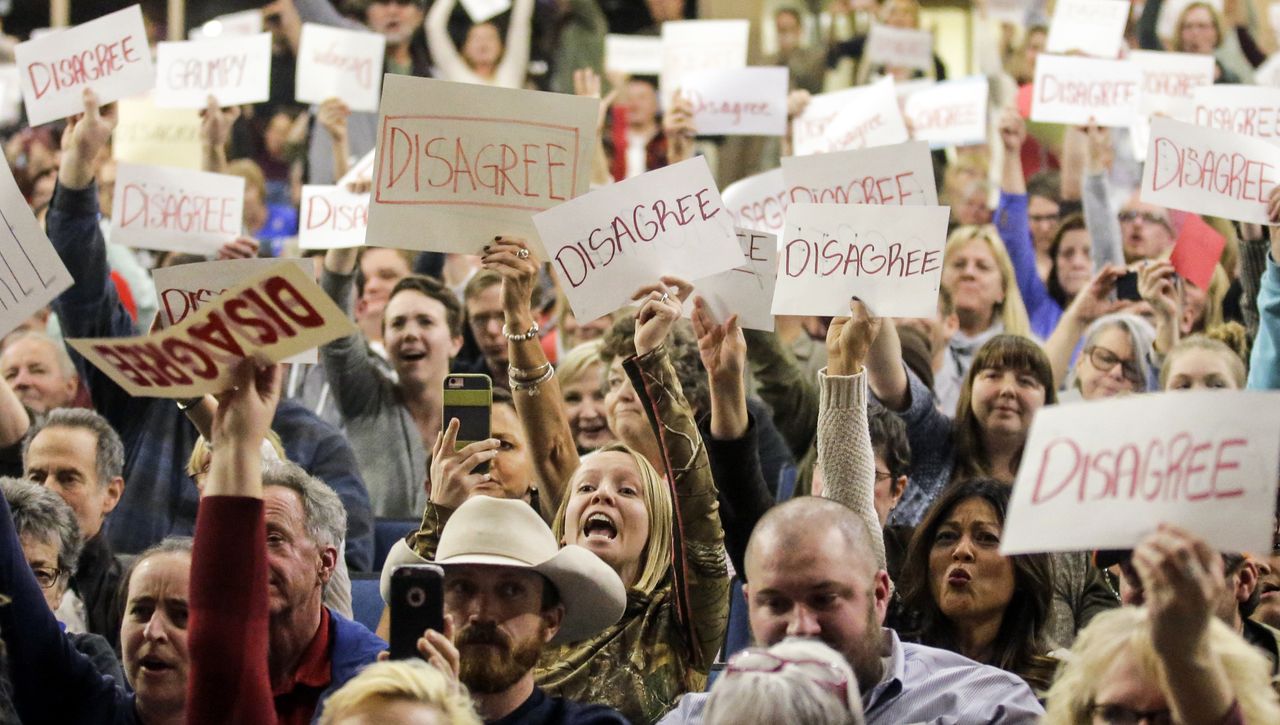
<point x="800" y="681"/>
<point x="1116" y="359"/>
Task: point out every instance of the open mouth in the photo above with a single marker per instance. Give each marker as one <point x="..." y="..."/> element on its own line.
<point x="154" y="665"/>
<point x="592" y="427"/>
<point x="1270" y="588"/>
<point x="412" y="355"/>
<point x="599" y="527"/>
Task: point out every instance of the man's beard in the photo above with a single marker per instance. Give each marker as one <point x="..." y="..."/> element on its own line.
<point x="489" y="662"/>
<point x="863" y="654"/>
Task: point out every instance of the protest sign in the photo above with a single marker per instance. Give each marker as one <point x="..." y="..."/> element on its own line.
<point x="1092" y="27"/>
<point x="234" y="70"/>
<point x="1102" y="475"/>
<point x="1169" y="81"/>
<point x="176" y="209"/>
<point x="758" y="202"/>
<point x="889" y="257"/>
<point x="607" y="244"/>
<point x="332" y="218"/>
<point x="338" y="63"/>
<point x="632" y="54"/>
<point x="1268" y="74"/>
<point x="1201" y="170"/>
<point x="483" y="10"/>
<point x="362" y="169"/>
<point x="1248" y="110"/>
<point x="854" y="119"/>
<point x="899" y="47"/>
<point x="747" y="290"/>
<point x="147" y="134"/>
<point x="10" y="94"/>
<point x="1197" y="251"/>
<point x="951" y="113"/>
<point x="898" y="175"/>
<point x="459" y="164"/>
<point x="109" y="55"/>
<point x="31" y="275"/>
<point x="275" y="314"/>
<point x="738" y="101"/>
<point x="183" y="289"/>
<point x="689" y="45"/>
<point x="808" y="129"/>
<point x="1075" y="90"/>
<point x="1171" y="10"/>
<point x="245" y="22"/>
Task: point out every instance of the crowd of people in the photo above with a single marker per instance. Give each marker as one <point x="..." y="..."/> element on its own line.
<point x="659" y="485"/>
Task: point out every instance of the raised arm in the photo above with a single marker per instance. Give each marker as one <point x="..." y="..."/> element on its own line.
<point x="886" y="372"/>
<point x="215" y="132"/>
<point x="1099" y="218"/>
<point x="1156" y="282"/>
<point x="1012" y="221"/>
<point x="1147" y="37"/>
<point x="1264" y="366"/>
<point x="514" y="66"/>
<point x="1093" y="302"/>
<point x="448" y="60"/>
<point x="786" y="388"/>
<point x="353" y="378"/>
<point x="587" y="83"/>
<point x="332" y="117"/>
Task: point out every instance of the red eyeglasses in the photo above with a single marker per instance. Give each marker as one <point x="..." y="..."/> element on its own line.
<point x="754" y="659"/>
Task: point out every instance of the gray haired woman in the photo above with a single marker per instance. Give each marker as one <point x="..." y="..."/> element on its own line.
<point x="1116" y="358"/>
<point x="797" y="681"/>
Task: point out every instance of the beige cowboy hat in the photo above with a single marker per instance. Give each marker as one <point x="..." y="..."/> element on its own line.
<point x="506" y="532"/>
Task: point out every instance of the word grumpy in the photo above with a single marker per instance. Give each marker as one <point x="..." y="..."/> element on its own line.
<point x="866" y="257"/>
<point x="100" y="61"/>
<point x="207" y="73"/>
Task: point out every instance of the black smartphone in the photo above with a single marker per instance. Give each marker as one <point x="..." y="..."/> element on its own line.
<point x="469" y="398"/>
<point x="1127" y="288"/>
<point x="417" y="604"/>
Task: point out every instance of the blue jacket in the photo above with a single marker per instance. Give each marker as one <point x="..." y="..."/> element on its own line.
<point x="1264" y="361"/>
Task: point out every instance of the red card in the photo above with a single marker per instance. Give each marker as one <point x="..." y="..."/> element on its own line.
<point x="1197" y="251"/>
<point x="1025" y="94"/>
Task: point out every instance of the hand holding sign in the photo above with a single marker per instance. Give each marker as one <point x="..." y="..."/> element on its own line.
<point x="510" y="257"/>
<point x="1182" y="582"/>
<point x="216" y="123"/>
<point x="83" y="139"/>
<point x="245" y="410"/>
<point x="849" y="339"/>
<point x="659" y="311"/>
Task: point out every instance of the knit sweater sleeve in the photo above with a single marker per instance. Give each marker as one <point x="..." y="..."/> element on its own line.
<point x="353" y="378"/>
<point x="845" y="453"/>
<point x="1104" y="227"/>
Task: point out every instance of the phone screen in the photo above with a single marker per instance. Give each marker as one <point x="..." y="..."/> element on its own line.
<point x="473" y="421"/>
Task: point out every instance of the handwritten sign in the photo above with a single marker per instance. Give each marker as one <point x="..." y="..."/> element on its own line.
<point x="1093" y="27"/>
<point x="245" y="22"/>
<point x="459" y="163"/>
<point x="234" y="70"/>
<point x="1074" y="90"/>
<point x="482" y="10"/>
<point x="1218" y="173"/>
<point x="738" y="102"/>
<point x="183" y="289"/>
<point x="275" y="314"/>
<point x="758" y="202"/>
<point x="808" y="131"/>
<point x="1169" y="81"/>
<point x="607" y="244"/>
<point x="889" y="256"/>
<point x="899" y="47"/>
<point x="338" y="63"/>
<point x="874" y="119"/>
<point x="746" y="290"/>
<point x="32" y="275"/>
<point x="1247" y="110"/>
<point x="362" y="169"/>
<point x="689" y="45"/>
<point x="1171" y="10"/>
<point x="898" y="175"/>
<point x="633" y="54"/>
<point x="1101" y="475"/>
<point x="148" y="134"/>
<point x="176" y="209"/>
<point x="332" y="218"/>
<point x="951" y="113"/>
<point x="109" y="54"/>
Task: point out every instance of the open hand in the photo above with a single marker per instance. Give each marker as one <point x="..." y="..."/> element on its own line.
<point x="723" y="347"/>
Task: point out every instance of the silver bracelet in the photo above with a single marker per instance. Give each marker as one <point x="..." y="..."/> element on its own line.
<point x="527" y="374"/>
<point x="531" y="386"/>
<point x="531" y="333"/>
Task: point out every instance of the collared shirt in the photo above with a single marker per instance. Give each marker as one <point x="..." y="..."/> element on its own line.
<point x="542" y="709"/>
<point x="297" y="702"/>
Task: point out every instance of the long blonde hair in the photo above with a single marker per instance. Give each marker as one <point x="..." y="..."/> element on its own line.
<point x="1012" y="311"/>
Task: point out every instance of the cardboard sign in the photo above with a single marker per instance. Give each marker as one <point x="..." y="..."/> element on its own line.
<point x="1102" y="475"/>
<point x="951" y="113"/>
<point x="899" y="47"/>
<point x="738" y="102"/>
<point x="1092" y="27"/>
<point x="362" y="169"/>
<point x="1169" y="81"/>
<point x="482" y="10"/>
<point x="633" y="55"/>
<point x="338" y="63"/>
<point x="275" y="314"/>
<point x="32" y="274"/>
<point x="235" y="70"/>
<point x="607" y="244"/>
<point x="148" y="134"/>
<point x="184" y="288"/>
<point x="690" y="45"/>
<point x="746" y="290"/>
<point x="758" y="202"/>
<point x="109" y="55"/>
<point x="1171" y="10"/>
<point x="898" y="175"/>
<point x="1218" y="173"/>
<point x="459" y="164"/>
<point x="332" y="218"/>
<point x="1247" y="110"/>
<point x="1197" y="251"/>
<point x="888" y="256"/>
<point x="1074" y="90"/>
<point x="854" y="119"/>
<point x="175" y="209"/>
<point x="245" y="22"/>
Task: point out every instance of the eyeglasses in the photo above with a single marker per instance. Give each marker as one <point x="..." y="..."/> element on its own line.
<point x="824" y="674"/>
<point x="1148" y="217"/>
<point x="1121" y="715"/>
<point x="46" y="577"/>
<point x="1105" y="360"/>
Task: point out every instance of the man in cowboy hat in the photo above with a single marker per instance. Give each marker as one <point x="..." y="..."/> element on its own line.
<point x="509" y="591"/>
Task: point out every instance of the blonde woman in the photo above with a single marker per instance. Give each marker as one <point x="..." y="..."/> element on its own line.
<point x="399" y="691"/>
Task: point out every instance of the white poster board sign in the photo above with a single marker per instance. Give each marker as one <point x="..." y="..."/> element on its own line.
<point x="1201" y="170"/>
<point x="857" y="118"/>
<point x="483" y="10"/>
<point x="1246" y="110"/>
<point x="361" y="169"/>
<point x="746" y="290"/>
<point x="109" y="55"/>
<point x="332" y="218"/>
<point x="758" y="202"/>
<point x="1074" y="90"/>
<point x="32" y="274"/>
<point x="1093" y="27"/>
<point x="808" y="130"/>
<point x="1103" y="475"/>
<point x="689" y="45"/>
<point x="245" y="22"/>
<point x="1169" y="81"/>
<point x="633" y="55"/>
<point x="339" y="63"/>
<point x="890" y="257"/>
<point x="175" y="209"/>
<point x="899" y="47"/>
<point x="951" y="113"/>
<point x="605" y="245"/>
<point x="235" y="70"/>
<point x="898" y="175"/>
<point x="148" y="134"/>
<point x="738" y="101"/>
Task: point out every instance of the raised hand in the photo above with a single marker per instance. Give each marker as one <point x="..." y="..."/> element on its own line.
<point x="245" y="411"/>
<point x="216" y="123"/>
<point x="849" y="339"/>
<point x="677" y="126"/>
<point x="83" y="139"/>
<point x="1013" y="130"/>
<point x="586" y="82"/>
<point x="1156" y="284"/>
<point x="723" y="347"/>
<point x="1182" y="581"/>
<point x="510" y="257"/>
<point x="239" y="248"/>
<point x="1094" y="300"/>
<point x="453" y="479"/>
<point x="659" y="310"/>
<point x="333" y="118"/>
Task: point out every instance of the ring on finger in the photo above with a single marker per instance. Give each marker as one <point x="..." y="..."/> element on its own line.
<point x="523" y="254"/>
<point x="665" y="296"/>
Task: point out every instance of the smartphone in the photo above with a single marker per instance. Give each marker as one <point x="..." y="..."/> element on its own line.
<point x="469" y="398"/>
<point x="1127" y="287"/>
<point x="417" y="604"/>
